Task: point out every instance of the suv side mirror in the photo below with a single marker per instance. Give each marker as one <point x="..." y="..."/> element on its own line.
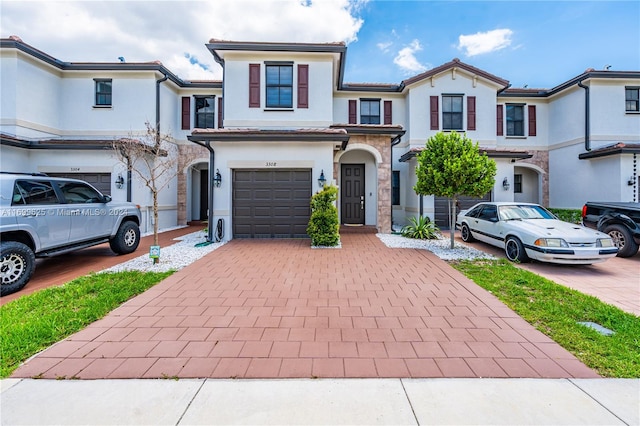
<point x="106" y="198"/>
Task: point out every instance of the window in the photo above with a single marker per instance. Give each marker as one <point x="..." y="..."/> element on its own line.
<point x="103" y="92"/>
<point x="451" y="112"/>
<point x="489" y="212"/>
<point x="515" y="120"/>
<point x="370" y="111"/>
<point x="517" y="184"/>
<point x="204" y="112"/>
<point x="79" y="193"/>
<point x="395" y="188"/>
<point x="632" y="99"/>
<point x="279" y="86"/>
<point x="34" y="193"/>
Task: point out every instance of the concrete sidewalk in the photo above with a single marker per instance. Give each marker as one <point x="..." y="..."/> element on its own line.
<point x="321" y="401"/>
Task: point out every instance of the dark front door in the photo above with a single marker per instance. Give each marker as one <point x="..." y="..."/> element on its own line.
<point x="352" y="185"/>
<point x="204" y="194"/>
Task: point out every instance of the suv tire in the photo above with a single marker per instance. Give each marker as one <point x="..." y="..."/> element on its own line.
<point x="17" y="263"/>
<point x="126" y="239"/>
<point x="622" y="239"/>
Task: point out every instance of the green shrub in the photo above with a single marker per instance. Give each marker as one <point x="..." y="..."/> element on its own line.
<point x="568" y="215"/>
<point x="324" y="225"/>
<point x="420" y="228"/>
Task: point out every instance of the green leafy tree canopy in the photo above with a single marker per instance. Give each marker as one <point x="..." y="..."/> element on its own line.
<point x="451" y="165"/>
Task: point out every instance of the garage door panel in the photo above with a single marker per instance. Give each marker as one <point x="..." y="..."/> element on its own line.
<point x="273" y="203"/>
<point x="441" y="206"/>
<point x="101" y="181"/>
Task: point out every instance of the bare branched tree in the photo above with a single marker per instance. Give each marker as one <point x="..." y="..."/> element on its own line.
<point x="154" y="159"/>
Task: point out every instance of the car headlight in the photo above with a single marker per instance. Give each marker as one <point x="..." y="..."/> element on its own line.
<point x="604" y="242"/>
<point x="551" y="242"/>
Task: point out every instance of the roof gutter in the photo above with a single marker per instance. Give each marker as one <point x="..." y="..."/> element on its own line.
<point x="587" y="139"/>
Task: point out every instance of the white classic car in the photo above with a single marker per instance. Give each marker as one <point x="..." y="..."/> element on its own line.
<point x="529" y="231"/>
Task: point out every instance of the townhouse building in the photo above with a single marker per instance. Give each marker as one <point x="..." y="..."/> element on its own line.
<point x="253" y="147"/>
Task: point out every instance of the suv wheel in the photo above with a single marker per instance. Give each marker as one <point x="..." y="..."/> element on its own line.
<point x="17" y="263"/>
<point x="126" y="239"/>
<point x="622" y="239"/>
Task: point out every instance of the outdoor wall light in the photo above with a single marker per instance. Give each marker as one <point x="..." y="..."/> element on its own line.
<point x="505" y="184"/>
<point x="119" y="181"/>
<point x="322" y="180"/>
<point x="217" y="179"/>
<point x="631" y="181"/>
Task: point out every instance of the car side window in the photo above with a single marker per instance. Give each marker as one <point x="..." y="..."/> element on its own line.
<point x="474" y="211"/>
<point x="34" y="192"/>
<point x="77" y="192"/>
<point x="489" y="212"/>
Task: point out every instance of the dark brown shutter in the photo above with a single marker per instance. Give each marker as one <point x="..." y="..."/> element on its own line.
<point x="388" y="119"/>
<point x="303" y="86"/>
<point x="353" y="111"/>
<point x="532" y="120"/>
<point x="186" y="113"/>
<point x="471" y="112"/>
<point x="254" y="85"/>
<point x="433" y="107"/>
<point x="499" y="125"/>
<point x="220" y="113"/>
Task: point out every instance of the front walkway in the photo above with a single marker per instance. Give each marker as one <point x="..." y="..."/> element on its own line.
<point x="279" y="309"/>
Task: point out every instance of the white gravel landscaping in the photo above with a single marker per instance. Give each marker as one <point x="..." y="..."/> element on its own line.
<point x="173" y="257"/>
<point x="439" y="247"/>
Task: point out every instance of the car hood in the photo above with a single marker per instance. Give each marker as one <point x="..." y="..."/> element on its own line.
<point x="552" y="228"/>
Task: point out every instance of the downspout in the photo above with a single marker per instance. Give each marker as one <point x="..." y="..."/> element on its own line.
<point x="587" y="132"/>
<point x="128" y="179"/>
<point x="158" y="106"/>
<point x="395" y="141"/>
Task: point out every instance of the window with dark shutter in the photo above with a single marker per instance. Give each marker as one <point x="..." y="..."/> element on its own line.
<point x="388" y="119"/>
<point x="303" y="86"/>
<point x="220" y="113"/>
<point x="499" y="123"/>
<point x="369" y="111"/>
<point x="515" y="120"/>
<point x="353" y="111"/>
<point x="433" y="108"/>
<point x="186" y="113"/>
<point x="532" y="120"/>
<point x="204" y="112"/>
<point x="471" y="112"/>
<point x="452" y="112"/>
<point x="254" y="85"/>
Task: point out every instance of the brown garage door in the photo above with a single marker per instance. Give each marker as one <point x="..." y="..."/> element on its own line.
<point x="271" y="203"/>
<point x="101" y="181"/>
<point x="442" y="208"/>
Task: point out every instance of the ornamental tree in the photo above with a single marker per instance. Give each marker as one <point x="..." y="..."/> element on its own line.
<point x="451" y="165"/>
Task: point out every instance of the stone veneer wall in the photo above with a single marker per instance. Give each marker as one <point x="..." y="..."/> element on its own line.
<point x="382" y="143"/>
<point x="541" y="159"/>
<point x="186" y="155"/>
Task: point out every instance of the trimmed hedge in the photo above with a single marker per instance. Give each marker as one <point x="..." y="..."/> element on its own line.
<point x="324" y="224"/>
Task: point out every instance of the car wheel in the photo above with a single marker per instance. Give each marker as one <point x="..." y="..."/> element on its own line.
<point x="126" y="239"/>
<point x="514" y="250"/>
<point x="465" y="234"/>
<point x="17" y="263"/>
<point x="622" y="239"/>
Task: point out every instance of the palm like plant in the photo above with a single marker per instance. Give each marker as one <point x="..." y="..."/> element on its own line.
<point x="420" y="228"/>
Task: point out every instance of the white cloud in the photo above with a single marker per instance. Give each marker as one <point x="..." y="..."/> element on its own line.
<point x="490" y="41"/>
<point x="384" y="46"/>
<point x="174" y="32"/>
<point x="407" y="60"/>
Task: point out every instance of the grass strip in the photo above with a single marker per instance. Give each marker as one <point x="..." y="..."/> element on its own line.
<point x="36" y="321"/>
<point x="556" y="310"/>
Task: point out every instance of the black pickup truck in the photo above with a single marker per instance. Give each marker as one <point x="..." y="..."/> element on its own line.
<point x="620" y="220"/>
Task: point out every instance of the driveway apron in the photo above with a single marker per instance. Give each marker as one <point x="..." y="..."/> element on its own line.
<point x="280" y="309"/>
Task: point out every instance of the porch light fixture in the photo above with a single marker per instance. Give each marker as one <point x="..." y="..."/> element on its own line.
<point x="217" y="179"/>
<point x="322" y="180"/>
<point x="119" y="181"/>
<point x="631" y="181"/>
<point x="505" y="184"/>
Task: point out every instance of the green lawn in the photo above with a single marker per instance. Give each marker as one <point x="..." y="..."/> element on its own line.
<point x="556" y="310"/>
<point x="36" y="321"/>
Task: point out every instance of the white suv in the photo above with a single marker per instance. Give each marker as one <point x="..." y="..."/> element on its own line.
<point x="42" y="216"/>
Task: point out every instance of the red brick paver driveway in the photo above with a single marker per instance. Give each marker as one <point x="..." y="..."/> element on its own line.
<point x="277" y="308"/>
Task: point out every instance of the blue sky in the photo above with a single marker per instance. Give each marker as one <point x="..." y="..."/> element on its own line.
<point x="536" y="43"/>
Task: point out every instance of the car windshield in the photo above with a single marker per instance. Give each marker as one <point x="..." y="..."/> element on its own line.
<point x="524" y="211"/>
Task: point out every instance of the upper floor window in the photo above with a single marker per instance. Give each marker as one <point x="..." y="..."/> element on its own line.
<point x="205" y="110"/>
<point x="451" y="112"/>
<point x="515" y="120"/>
<point x="279" y="85"/>
<point x="632" y="99"/>
<point x="103" y="92"/>
<point x="369" y="111"/>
